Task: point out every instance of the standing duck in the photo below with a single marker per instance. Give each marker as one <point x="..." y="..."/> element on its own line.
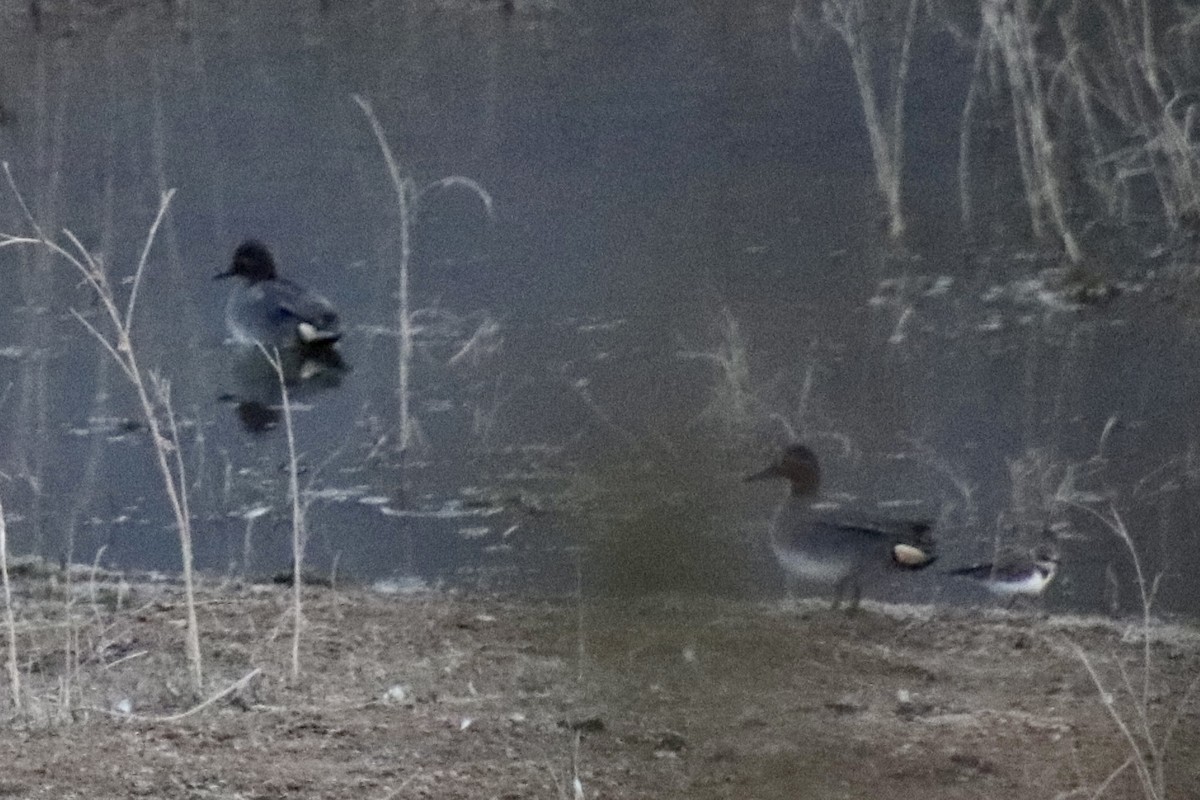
<point x="829" y="549"/>
<point x="1014" y="577"/>
<point x="272" y="311"/>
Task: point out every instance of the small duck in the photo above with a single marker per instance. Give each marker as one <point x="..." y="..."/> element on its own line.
<point x="841" y="551"/>
<point x="272" y="311"/>
<point x="1015" y="577"/>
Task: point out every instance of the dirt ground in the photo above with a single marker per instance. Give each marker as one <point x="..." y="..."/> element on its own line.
<point x="452" y="696"/>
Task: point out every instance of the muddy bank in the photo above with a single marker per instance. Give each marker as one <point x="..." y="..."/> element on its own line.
<point x="441" y="695"/>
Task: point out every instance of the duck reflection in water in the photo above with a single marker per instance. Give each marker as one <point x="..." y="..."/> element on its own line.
<point x="835" y="548"/>
<point x="258" y="399"/>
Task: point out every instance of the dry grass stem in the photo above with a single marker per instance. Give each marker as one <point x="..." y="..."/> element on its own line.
<point x="408" y="198"/>
<point x="1140" y="758"/>
<point x="1148" y="750"/>
<point x="236" y="686"/>
<point x="299" y="534"/>
<point x="10" y="624"/>
<point x="152" y="392"/>
<point x="403" y="189"/>
<point x="734" y="403"/>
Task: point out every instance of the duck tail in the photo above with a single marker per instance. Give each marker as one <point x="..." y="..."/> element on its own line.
<point x="972" y="571"/>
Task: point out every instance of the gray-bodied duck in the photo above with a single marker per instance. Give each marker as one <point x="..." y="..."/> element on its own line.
<point x="272" y="311"/>
<point x="1015" y="576"/>
<point x="837" y="549"/>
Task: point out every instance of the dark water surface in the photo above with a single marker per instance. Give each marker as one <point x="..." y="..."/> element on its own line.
<point x="660" y="172"/>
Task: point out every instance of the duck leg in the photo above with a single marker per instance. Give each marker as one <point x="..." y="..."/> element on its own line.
<point x="789" y="584"/>
<point x="839" y="590"/>
<point x="856" y="593"/>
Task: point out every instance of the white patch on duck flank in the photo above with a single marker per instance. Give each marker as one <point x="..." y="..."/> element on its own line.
<point x="1035" y="582"/>
<point x="907" y="555"/>
<point x="812" y="569"/>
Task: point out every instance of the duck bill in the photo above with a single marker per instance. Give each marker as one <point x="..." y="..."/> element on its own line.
<point x="221" y="275"/>
<point x="764" y="474"/>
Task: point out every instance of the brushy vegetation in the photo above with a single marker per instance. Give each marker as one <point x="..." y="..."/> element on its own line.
<point x="1098" y="98"/>
<point x="1148" y="735"/>
<point x="880" y="49"/>
<point x="153" y="390"/>
<point x="734" y="406"/>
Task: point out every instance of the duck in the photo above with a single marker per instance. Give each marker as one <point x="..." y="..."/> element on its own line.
<point x="837" y="549"/>
<point x="272" y="311"/>
<point x="1015" y="576"/>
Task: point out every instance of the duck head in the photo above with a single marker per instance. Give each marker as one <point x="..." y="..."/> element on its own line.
<point x="1046" y="558"/>
<point x="252" y="261"/>
<point x="799" y="465"/>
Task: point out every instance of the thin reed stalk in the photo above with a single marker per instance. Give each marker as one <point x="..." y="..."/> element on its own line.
<point x="403" y="188"/>
<point x="10" y="624"/>
<point x="408" y="198"/>
<point x="966" y="208"/>
<point x="299" y="535"/>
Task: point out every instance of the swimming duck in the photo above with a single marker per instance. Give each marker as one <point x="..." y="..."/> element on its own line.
<point x="1015" y="576"/>
<point x="272" y="311"/>
<point x="838" y="550"/>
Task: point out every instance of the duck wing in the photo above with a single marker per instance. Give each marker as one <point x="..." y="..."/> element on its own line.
<point x="977" y="571"/>
<point x="303" y="305"/>
<point x="914" y="532"/>
<point x="908" y="544"/>
<point x="1002" y="571"/>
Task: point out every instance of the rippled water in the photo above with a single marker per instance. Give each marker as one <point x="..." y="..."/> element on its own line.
<point x="684" y="269"/>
